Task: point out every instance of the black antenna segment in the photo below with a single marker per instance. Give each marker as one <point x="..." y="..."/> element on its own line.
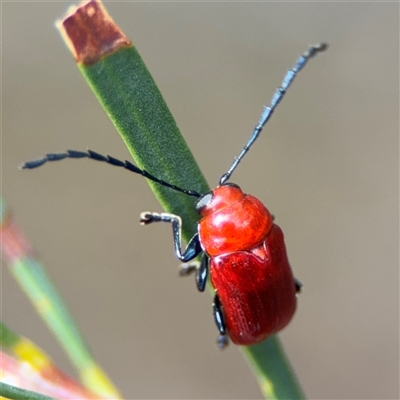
<point x="276" y="99"/>
<point x="107" y="159"/>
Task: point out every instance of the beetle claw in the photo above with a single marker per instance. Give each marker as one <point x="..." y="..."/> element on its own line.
<point x="147" y="218"/>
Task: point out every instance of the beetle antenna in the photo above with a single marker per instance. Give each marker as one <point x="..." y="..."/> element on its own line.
<point x="276" y="99"/>
<point x="107" y="159"/>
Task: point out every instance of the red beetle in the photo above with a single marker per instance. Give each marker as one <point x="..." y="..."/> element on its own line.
<point x="245" y="255"/>
<point x="249" y="267"/>
<point x="242" y="249"/>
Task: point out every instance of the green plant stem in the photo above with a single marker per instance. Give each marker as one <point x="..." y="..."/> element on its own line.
<point x="121" y="82"/>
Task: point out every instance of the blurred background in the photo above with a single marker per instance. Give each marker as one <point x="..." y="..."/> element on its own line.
<point x="326" y="166"/>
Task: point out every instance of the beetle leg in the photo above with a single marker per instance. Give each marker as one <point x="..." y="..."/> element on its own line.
<point x="201" y="270"/>
<point x="193" y="248"/>
<point x="202" y="273"/>
<point x="218" y="315"/>
<point x="219" y="319"/>
<point x="298" y="285"/>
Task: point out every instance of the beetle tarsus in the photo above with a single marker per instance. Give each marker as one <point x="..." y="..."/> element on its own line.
<point x="147" y="218"/>
<point x="298" y="286"/>
<point x="222" y="342"/>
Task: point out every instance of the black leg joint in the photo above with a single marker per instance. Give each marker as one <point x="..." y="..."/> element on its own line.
<point x="193" y="248"/>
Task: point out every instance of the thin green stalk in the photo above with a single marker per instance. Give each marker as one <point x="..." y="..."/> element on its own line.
<point x="12" y="392"/>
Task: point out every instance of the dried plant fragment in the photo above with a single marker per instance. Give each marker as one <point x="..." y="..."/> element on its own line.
<point x="90" y="32"/>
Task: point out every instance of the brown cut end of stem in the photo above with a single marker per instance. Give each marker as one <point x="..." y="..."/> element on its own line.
<point x="90" y="32"/>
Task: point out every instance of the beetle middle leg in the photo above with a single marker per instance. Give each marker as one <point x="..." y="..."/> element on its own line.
<point x="200" y="268"/>
<point x="219" y="319"/>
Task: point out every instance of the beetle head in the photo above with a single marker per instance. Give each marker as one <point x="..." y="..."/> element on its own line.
<point x="218" y="198"/>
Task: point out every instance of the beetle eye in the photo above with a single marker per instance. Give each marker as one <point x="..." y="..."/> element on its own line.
<point x="204" y="201"/>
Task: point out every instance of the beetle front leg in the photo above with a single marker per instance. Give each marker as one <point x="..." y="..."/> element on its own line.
<point x="193" y="248"/>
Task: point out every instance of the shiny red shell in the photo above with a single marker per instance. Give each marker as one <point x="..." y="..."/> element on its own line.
<point x="249" y="268"/>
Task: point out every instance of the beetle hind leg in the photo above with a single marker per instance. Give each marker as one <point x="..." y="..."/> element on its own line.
<point x="219" y="319"/>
